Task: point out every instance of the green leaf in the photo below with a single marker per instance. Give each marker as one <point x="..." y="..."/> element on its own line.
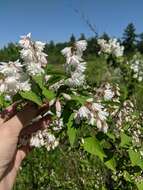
<point x="111" y="164"/>
<point x="111" y="135"/>
<point x="125" y="140"/>
<point x="80" y="99"/>
<point x="139" y="185"/>
<point x="92" y="145"/>
<point x="48" y="93"/>
<point x="2" y="101"/>
<point x="72" y="131"/>
<point x="39" y="79"/>
<point x="29" y="95"/>
<point x="135" y="158"/>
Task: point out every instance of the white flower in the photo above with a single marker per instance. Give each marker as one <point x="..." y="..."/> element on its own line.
<point x="103" y="115"/>
<point x="92" y="119"/>
<point x="66" y="96"/>
<point x="90" y="100"/>
<point x="3" y="88"/>
<point x="136" y="64"/>
<point x="97" y="107"/>
<point x="57" y="85"/>
<point x="58" y="124"/>
<point x="35" y="142"/>
<point x="25" y="86"/>
<point x="75" y="66"/>
<point x="7" y="98"/>
<point x="58" y="108"/>
<point x="12" y="84"/>
<point x="108" y="94"/>
<point x="104" y="127"/>
<point x="34" y="68"/>
<point x="81" y="45"/>
<point x="10" y="68"/>
<point x="14" y="78"/>
<point x="81" y="67"/>
<point x="77" y="79"/>
<point x="41" y="57"/>
<point x="47" y="77"/>
<point x="27" y="55"/>
<point x="99" y="124"/>
<point x="67" y="52"/>
<point x="111" y="47"/>
<point x="25" y="41"/>
<point x="44" y="138"/>
<point x="33" y="56"/>
<point x="82" y="113"/>
<point x="39" y="45"/>
<point x="51" y="142"/>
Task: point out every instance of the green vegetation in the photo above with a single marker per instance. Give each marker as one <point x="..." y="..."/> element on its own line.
<point x="72" y="168"/>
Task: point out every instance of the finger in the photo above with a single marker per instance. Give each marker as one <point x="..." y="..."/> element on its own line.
<point x="21" y="119"/>
<point x="9" y="112"/>
<point x="39" y="125"/>
<point x="20" y="155"/>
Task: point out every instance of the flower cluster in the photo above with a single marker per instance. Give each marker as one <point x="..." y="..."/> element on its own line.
<point x="57" y="123"/>
<point x="108" y="92"/>
<point x="75" y="65"/>
<point x="13" y="78"/>
<point x="136" y="64"/>
<point x="111" y="47"/>
<point x="94" y="113"/>
<point x="123" y="114"/>
<point x="32" y="54"/>
<point x="44" y="138"/>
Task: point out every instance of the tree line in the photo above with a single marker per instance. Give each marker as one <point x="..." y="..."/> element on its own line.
<point x="131" y="40"/>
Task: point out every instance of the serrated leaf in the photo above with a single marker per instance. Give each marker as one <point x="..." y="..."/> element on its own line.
<point x="29" y="95"/>
<point x="125" y="140"/>
<point x="135" y="158"/>
<point x="92" y="145"/>
<point x="72" y="131"/>
<point x="111" y="164"/>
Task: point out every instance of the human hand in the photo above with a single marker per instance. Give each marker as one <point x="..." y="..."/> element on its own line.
<point x="10" y="130"/>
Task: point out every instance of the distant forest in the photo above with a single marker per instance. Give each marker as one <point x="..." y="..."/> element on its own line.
<point x="132" y="42"/>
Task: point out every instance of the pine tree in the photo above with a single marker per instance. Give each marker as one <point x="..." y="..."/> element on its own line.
<point x="82" y="37"/>
<point x="105" y="36"/>
<point x="129" y="38"/>
<point x="140" y="43"/>
<point x="72" y="39"/>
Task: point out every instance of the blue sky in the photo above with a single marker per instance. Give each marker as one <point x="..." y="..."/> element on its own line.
<point x="57" y="20"/>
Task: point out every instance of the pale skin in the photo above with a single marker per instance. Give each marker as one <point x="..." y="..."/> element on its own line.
<point x="11" y="127"/>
